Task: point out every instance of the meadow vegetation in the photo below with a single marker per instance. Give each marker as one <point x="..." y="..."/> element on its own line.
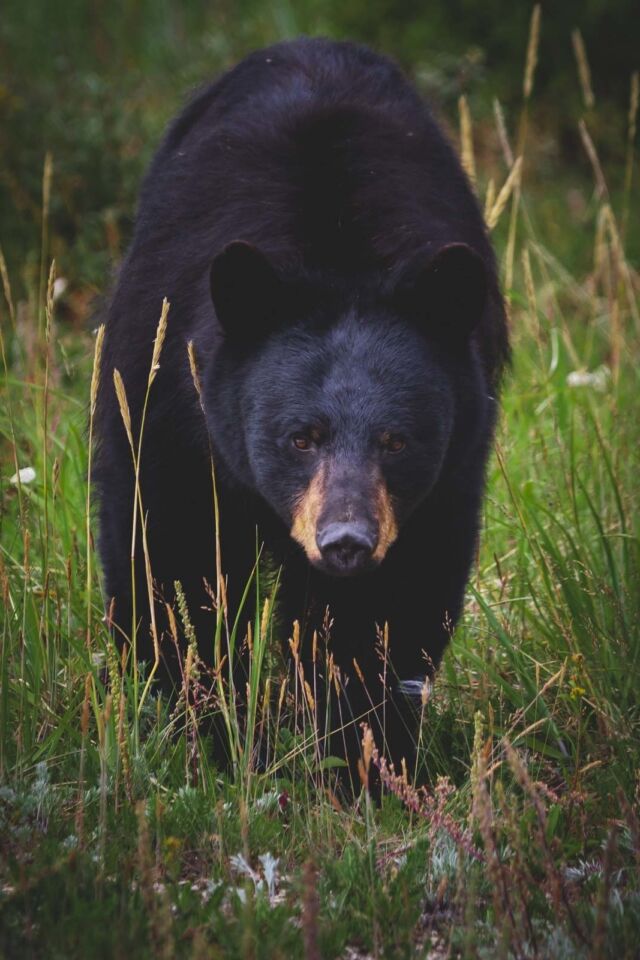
<point x="117" y="831"/>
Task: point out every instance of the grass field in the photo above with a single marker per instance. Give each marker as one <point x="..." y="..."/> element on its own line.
<point x="117" y="832"/>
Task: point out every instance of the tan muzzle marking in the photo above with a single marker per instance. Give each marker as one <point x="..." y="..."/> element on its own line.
<point x="387" y="524"/>
<point x="306" y="514"/>
<point x="309" y="507"/>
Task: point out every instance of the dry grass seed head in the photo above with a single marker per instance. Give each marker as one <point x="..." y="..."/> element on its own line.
<point x="512" y="181"/>
<point x="503" y="136"/>
<point x="95" y="373"/>
<point x="121" y="394"/>
<point x="584" y="73"/>
<point x="159" y="340"/>
<point x="532" y="51"/>
<point x="466" y="139"/>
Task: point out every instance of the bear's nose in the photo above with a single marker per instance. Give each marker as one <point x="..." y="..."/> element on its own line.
<point x="347" y="548"/>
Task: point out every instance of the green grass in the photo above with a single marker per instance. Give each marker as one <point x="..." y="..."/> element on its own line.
<point x="117" y="832"/>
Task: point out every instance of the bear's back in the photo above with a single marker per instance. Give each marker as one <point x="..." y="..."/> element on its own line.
<point x="321" y="154"/>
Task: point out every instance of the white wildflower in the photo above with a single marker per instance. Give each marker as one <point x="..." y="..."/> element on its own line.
<point x="59" y="287"/>
<point x="270" y="870"/>
<point x="24" y="475"/>
<point x="239" y="863"/>
<point x="597" y="379"/>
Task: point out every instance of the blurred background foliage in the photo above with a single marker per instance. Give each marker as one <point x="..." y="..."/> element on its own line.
<point x="94" y="83"/>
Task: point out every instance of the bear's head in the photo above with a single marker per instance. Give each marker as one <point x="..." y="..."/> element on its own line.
<point x="344" y="412"/>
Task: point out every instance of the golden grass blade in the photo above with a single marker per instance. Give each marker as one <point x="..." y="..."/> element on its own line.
<point x="466" y="139"/>
<point x="193" y="366"/>
<point x="590" y="150"/>
<point x="510" y="183"/>
<point x="503" y="136"/>
<point x="530" y="291"/>
<point x="123" y="404"/>
<point x="621" y="264"/>
<point x="93" y="397"/>
<point x="532" y="51"/>
<point x="47" y="173"/>
<point x="159" y="340"/>
<point x="49" y="302"/>
<point x="584" y="73"/>
<point x="95" y="373"/>
<point x="490" y="198"/>
<point x="6" y="286"/>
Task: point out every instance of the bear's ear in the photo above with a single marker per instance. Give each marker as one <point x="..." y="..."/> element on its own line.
<point x="446" y="297"/>
<point x="248" y="295"/>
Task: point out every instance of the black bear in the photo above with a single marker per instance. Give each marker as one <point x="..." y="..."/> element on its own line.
<point x="321" y="247"/>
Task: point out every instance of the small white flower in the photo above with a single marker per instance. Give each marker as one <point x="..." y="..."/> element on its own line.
<point x="597" y="379"/>
<point x="25" y="475"/>
<point x="59" y="287"/>
<point x="239" y="863"/>
<point x="270" y="870"/>
<point x="266" y="801"/>
<point x="207" y="888"/>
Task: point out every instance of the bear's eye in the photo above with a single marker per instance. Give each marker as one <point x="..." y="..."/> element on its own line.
<point x="393" y="443"/>
<point x="301" y="442"/>
<point x="310" y="439"/>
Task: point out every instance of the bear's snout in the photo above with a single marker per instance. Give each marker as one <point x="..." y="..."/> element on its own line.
<point x="347" y="548"/>
<point x="345" y="519"/>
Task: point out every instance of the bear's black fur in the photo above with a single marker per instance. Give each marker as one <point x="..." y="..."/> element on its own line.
<point x="320" y="245"/>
